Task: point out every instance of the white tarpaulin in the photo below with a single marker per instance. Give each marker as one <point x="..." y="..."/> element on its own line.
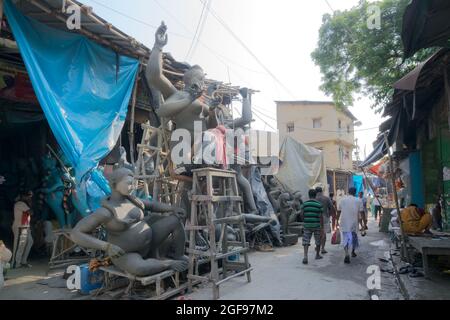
<point x="302" y="167"/>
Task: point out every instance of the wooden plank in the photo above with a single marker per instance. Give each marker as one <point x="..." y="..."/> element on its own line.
<point x="196" y="228"/>
<point x="238" y="244"/>
<point x="231" y="253"/>
<point x="198" y="278"/>
<point x="199" y="253"/>
<point x="205" y="198"/>
<point x="234" y="276"/>
<point x="230" y="220"/>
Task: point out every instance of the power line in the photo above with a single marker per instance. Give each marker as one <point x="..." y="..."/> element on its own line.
<point x="254" y="108"/>
<point x="199" y="29"/>
<point x="137" y="20"/>
<point x="222" y="22"/>
<point x="334" y="131"/>
<point x="265" y="122"/>
<point x="215" y="53"/>
<point x="268" y="117"/>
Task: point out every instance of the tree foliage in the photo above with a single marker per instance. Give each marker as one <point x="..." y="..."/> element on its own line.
<point x="354" y="59"/>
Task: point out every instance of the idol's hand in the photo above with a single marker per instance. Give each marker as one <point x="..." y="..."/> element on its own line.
<point x="161" y="37"/>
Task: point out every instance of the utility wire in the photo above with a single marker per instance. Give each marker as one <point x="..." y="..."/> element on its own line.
<point x="183" y="36"/>
<point x="199" y="29"/>
<point x="137" y="20"/>
<point x="222" y="22"/>
<point x="213" y="52"/>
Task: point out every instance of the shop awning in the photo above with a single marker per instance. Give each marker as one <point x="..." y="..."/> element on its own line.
<point x="426" y="24"/>
<point x="381" y="147"/>
<point x="411" y="81"/>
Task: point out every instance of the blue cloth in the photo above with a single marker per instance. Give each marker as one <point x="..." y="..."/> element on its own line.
<point x="84" y="90"/>
<point x="350" y="239"/>
<point x="417" y="183"/>
<point x="358" y="183"/>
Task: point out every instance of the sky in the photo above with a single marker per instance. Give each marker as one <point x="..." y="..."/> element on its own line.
<point x="281" y="34"/>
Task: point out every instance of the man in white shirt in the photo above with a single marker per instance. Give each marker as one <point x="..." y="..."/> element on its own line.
<point x="23" y="241"/>
<point x="350" y="211"/>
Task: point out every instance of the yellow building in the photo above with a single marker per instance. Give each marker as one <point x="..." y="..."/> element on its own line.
<point x="321" y="125"/>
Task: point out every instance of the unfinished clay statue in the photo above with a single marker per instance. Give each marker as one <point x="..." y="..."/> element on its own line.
<point x="297" y="207"/>
<point x="285" y="203"/>
<point x="137" y="244"/>
<point x="274" y="191"/>
<point x="183" y="107"/>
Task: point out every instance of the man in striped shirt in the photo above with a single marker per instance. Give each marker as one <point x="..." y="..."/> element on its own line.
<point x="312" y="212"/>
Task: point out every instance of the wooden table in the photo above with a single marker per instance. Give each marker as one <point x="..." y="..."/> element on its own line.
<point x="428" y="246"/>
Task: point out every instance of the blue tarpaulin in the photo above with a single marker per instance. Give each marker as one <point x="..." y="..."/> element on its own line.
<point x="358" y="183"/>
<point x="84" y="90"/>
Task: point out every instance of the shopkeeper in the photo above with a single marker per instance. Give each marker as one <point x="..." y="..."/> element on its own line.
<point x="23" y="241"/>
<point x="416" y="221"/>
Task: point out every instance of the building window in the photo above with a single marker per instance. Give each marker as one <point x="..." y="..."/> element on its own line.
<point x="317" y="123"/>
<point x="290" y="127"/>
<point x="348" y="129"/>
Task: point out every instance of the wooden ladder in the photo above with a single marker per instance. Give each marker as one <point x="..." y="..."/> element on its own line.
<point x="205" y="202"/>
<point x="160" y="155"/>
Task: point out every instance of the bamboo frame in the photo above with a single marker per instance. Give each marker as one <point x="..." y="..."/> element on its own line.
<point x="397" y="205"/>
<point x="133" y="111"/>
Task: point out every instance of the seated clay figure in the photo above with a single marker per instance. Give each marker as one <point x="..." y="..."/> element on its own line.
<point x="137" y="244"/>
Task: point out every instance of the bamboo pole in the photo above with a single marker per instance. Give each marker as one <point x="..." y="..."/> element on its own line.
<point x="391" y="165"/>
<point x="133" y="111"/>
<point x="334" y="182"/>
<point x="1" y="14"/>
<point x="373" y="188"/>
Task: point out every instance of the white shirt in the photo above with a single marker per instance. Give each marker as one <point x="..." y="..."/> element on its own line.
<point x="350" y="208"/>
<point x="19" y="209"/>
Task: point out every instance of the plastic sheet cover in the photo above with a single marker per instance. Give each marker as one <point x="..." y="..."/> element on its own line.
<point x="302" y="167"/>
<point x="263" y="204"/>
<point x="84" y="90"/>
<point x="358" y="183"/>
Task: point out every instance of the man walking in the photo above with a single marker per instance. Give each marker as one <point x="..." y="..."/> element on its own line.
<point x="327" y="206"/>
<point x="350" y="210"/>
<point x="364" y="215"/>
<point x="313" y="224"/>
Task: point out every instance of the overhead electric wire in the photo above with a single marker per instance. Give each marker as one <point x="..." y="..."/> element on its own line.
<point x="199" y="29"/>
<point x="236" y="37"/>
<point x="220" y="57"/>
<point x="213" y="52"/>
<point x="135" y="19"/>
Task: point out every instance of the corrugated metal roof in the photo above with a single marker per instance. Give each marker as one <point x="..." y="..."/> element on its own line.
<point x="94" y="27"/>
